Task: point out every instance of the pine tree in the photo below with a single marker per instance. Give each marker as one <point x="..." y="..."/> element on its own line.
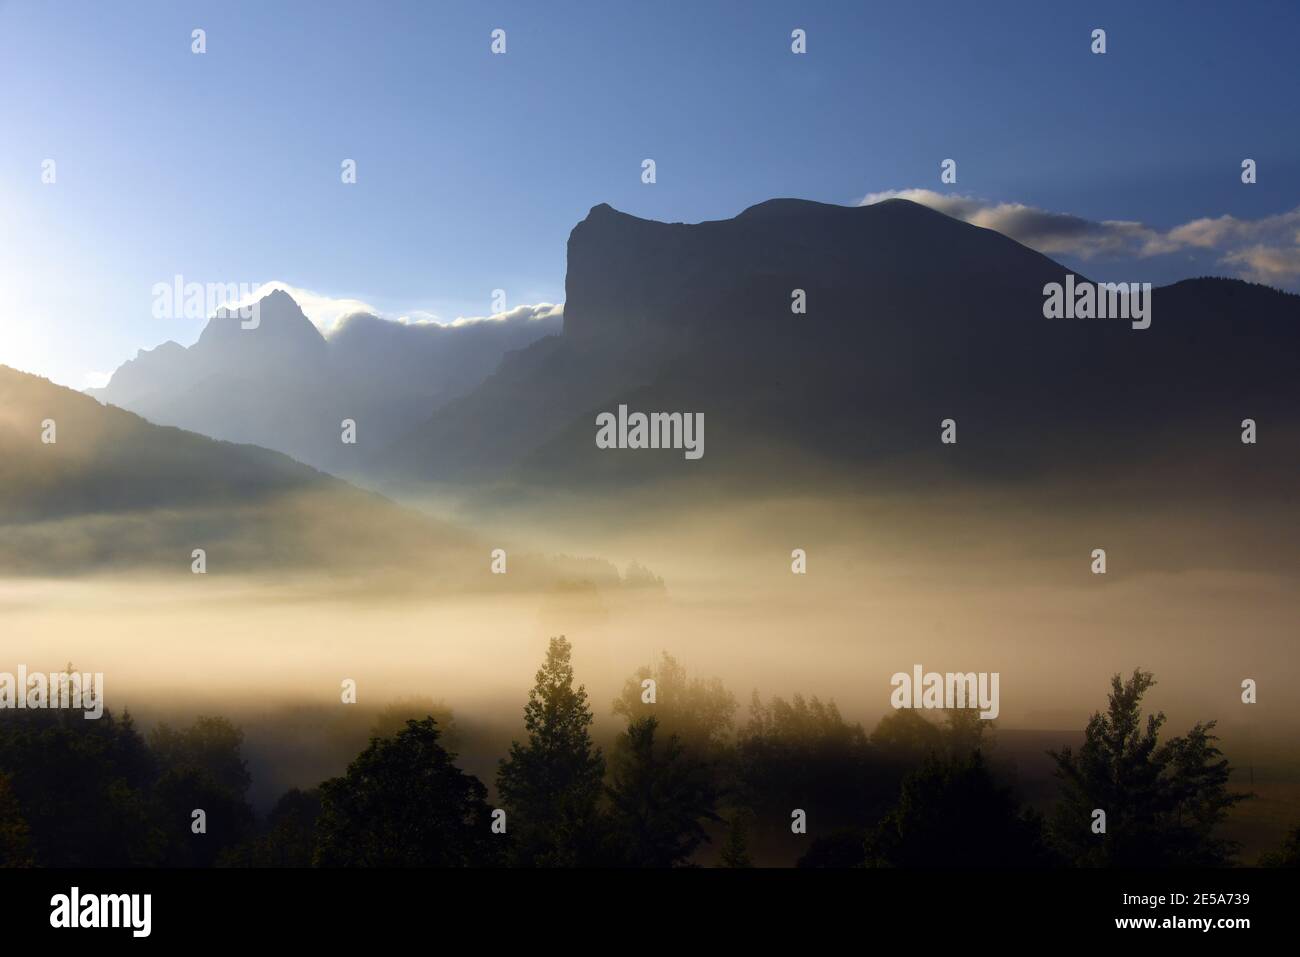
<point x="551" y="785"/>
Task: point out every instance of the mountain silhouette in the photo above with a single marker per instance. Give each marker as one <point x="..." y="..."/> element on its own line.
<point x="113" y="492"/>
<point x="912" y="317"/>
<point x="282" y="385"/>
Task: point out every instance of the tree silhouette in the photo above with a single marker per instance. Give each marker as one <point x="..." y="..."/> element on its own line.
<point x="964" y="732"/>
<point x="288" y="838"/>
<point x="228" y="819"/>
<point x="211" y="744"/>
<point x="1288" y="855"/>
<point x="735" y="850"/>
<point x="202" y="769"/>
<point x="291" y="829"/>
<point x="1163" y="802"/>
<point x="951" y="813"/>
<point x="15" y="843"/>
<point x="803" y="754"/>
<point x="906" y="738"/>
<point x="403" y="803"/>
<point x="392" y="718"/>
<point x="83" y="787"/>
<point x="700" y="713"/>
<point x="660" y="798"/>
<point x="838" y="849"/>
<point x="551" y="785"/>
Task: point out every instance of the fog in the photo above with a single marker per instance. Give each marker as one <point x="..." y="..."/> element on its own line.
<point x="962" y="584"/>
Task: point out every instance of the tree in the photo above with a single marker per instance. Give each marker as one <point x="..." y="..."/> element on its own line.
<point x="735" y="852"/>
<point x="1288" y="855"/>
<point x="227" y="818"/>
<point x="803" y="754"/>
<point x="392" y="718"/>
<point x="838" y="849"/>
<point x="15" y="844"/>
<point x="288" y="838"/>
<point x="905" y="737"/>
<point x="202" y="768"/>
<point x="1163" y="802"/>
<point x="551" y="785"/>
<point x="404" y="803"/>
<point x="660" y="798"/>
<point x="210" y="744"/>
<point x="83" y="787"/>
<point x="951" y="813"/>
<point x="964" y="732"/>
<point x="700" y="713"/>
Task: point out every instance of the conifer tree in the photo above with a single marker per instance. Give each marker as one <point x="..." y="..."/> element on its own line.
<point x="551" y="784"/>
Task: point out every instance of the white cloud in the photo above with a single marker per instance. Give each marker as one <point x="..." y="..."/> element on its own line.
<point x="328" y="312"/>
<point x="1267" y="264"/>
<point x="1265" y="250"/>
<point x="542" y="310"/>
<point x="324" y="311"/>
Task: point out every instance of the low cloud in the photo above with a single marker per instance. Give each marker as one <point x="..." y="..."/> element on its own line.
<point x="540" y="311"/>
<point x="328" y="313"/>
<point x="1267" y="264"/>
<point x="325" y="312"/>
<point x="1264" y="250"/>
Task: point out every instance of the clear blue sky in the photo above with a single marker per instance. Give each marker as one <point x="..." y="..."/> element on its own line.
<point x="472" y="168"/>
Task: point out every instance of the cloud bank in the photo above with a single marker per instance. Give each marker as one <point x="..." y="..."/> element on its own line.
<point x="1264" y="250"/>
<point x="328" y="313"/>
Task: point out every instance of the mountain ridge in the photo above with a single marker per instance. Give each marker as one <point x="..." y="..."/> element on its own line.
<point x="281" y="383"/>
<point x="912" y="317"/>
<point x="87" y="488"/>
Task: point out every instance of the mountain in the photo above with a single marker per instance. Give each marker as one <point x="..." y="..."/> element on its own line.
<point x="283" y="385"/>
<point x="912" y="317"/>
<point x="115" y="493"/>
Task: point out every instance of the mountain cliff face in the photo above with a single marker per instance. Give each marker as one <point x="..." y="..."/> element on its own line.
<point x="911" y="317"/>
<point x="284" y="386"/>
<point x="857" y="264"/>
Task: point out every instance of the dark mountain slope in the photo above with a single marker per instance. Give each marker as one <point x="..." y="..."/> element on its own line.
<point x="114" y="493"/>
<point x="912" y="317"/>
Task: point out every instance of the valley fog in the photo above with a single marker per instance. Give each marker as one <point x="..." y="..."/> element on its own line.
<point x="889" y="585"/>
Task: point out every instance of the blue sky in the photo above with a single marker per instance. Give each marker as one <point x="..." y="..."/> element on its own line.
<point x="472" y="168"/>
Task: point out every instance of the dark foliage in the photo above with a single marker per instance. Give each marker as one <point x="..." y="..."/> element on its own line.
<point x="1163" y="802"/>
<point x="551" y="784"/>
<point x="403" y="803"/>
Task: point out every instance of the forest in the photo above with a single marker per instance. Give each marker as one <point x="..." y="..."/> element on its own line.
<point x="685" y="783"/>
